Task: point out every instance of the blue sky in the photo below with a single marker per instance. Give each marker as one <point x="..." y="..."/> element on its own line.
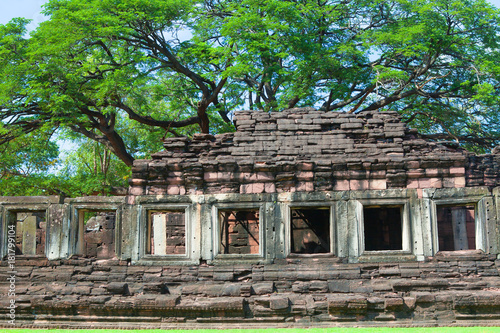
<point x="31" y="9"/>
<point x="22" y="8"/>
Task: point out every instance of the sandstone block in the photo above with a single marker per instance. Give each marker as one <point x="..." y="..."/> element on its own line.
<point x="167" y="301"/>
<point x="262" y="288"/>
<point x="118" y="288"/>
<point x="279" y="303"/>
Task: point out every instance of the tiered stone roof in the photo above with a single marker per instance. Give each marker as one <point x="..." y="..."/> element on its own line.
<point x="308" y="150"/>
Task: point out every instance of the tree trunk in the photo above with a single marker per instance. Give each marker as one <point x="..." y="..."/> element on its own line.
<point x="204" y="121"/>
<point x="119" y="148"/>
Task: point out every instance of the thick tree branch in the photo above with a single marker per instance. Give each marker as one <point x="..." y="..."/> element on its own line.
<point x="388" y="100"/>
<point x="153" y="122"/>
<point x="111" y="140"/>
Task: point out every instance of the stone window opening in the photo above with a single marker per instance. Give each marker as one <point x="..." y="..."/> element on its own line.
<point x="383" y="228"/>
<point x="310" y="231"/>
<point x="97" y="233"/>
<point x="30" y="230"/>
<point x="456" y="227"/>
<point x="239" y="232"/>
<point x="166" y="234"/>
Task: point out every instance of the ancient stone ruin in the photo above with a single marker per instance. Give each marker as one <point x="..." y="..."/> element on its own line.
<point x="299" y="218"/>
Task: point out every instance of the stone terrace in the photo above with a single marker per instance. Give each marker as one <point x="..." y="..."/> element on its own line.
<point x="83" y="293"/>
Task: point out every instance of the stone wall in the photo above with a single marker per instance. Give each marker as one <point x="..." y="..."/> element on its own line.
<point x="450" y="289"/>
<point x="30" y="232"/>
<point x="172" y="228"/>
<point x="99" y="235"/>
<point x="343" y="284"/>
<point x="305" y="150"/>
<point x="239" y="232"/>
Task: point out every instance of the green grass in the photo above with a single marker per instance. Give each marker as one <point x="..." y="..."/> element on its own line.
<point x="284" y="330"/>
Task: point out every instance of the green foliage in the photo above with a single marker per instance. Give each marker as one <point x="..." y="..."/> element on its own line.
<point x="25" y="162"/>
<point x="127" y="73"/>
<point x="94" y="170"/>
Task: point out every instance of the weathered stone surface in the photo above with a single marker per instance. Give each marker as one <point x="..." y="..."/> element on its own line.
<point x="262" y="288"/>
<point x="261" y="145"/>
<point x="279" y="303"/>
<point x="374" y="298"/>
<point x="119" y="288"/>
<point x="167" y="301"/>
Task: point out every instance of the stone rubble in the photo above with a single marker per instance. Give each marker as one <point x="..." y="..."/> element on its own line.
<point x="305" y="150"/>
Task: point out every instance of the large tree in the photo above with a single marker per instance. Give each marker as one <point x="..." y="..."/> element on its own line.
<point x="436" y="62"/>
<point x="102" y="67"/>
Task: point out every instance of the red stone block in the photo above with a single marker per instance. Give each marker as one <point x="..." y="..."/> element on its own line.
<point x="355" y="174"/>
<point x="436" y="183"/>
<point x="457" y="171"/>
<point x="305" y="175"/>
<point x="285" y="187"/>
<point x="269" y="188"/>
<point x="304" y="166"/>
<point x="411" y="165"/>
<point x="378" y="184"/>
<point x="223" y="189"/>
<point x="246" y="188"/>
<point x="244" y="177"/>
<point x="459" y="181"/>
<point x="137" y="190"/>
<point x="92" y="238"/>
<point x="106" y="251"/>
<point x="424" y="183"/>
<point x="417" y="173"/>
<point x="257" y="188"/>
<point x="158" y="190"/>
<point x="305" y="186"/>
<point x="137" y="182"/>
<point x="489" y="182"/>
<point x="377" y="174"/>
<point x="355" y="184"/>
<point x="224" y="177"/>
<point x="173" y="190"/>
<point x="432" y="172"/>
<point x="341" y="185"/>
<point x="448" y="182"/>
<point x="341" y="174"/>
<point x="265" y="176"/>
<point x="412" y="183"/>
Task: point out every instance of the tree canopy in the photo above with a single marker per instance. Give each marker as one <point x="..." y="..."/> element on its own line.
<point x="127" y="73"/>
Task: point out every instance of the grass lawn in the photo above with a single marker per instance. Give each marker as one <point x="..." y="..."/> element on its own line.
<point x="285" y="330"/>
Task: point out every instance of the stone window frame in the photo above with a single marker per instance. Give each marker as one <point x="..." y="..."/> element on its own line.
<point x="288" y="228"/>
<point x="76" y="229"/>
<point x="7" y="211"/>
<point x="407" y="251"/>
<point x="156" y="259"/>
<point x="480" y="224"/>
<point x="216" y="255"/>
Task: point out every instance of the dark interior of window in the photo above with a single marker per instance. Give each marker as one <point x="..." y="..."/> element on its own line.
<point x="383" y="228"/>
<point x="239" y="231"/>
<point x="167" y="233"/>
<point x="310" y="230"/>
<point x="456" y="228"/>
